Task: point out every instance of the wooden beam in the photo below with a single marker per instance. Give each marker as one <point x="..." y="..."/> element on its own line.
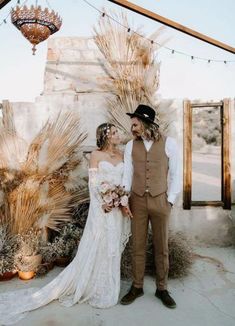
<point x="173" y="24"/>
<point x="206" y="104"/>
<point x="3" y="3"/>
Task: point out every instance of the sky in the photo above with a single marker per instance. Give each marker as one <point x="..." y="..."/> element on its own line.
<point x="21" y="73"/>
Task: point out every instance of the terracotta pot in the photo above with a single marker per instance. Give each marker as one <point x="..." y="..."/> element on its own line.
<point x="34" y="261"/>
<point x="26" y="275"/>
<point x="62" y="261"/>
<point x="7" y="276"/>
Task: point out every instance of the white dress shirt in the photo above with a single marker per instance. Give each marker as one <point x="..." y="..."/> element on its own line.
<point x="172" y="153"/>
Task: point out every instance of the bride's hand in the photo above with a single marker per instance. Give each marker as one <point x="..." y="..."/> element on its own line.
<point x="106" y="208"/>
<point x="126" y="211"/>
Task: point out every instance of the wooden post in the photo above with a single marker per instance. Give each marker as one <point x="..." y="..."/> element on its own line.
<point x="3" y="3"/>
<point x="226" y="156"/>
<point x="187" y="155"/>
<point x="8" y="116"/>
<point x="172" y="24"/>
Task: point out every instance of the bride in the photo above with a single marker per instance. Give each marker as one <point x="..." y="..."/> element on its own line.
<point x="94" y="274"/>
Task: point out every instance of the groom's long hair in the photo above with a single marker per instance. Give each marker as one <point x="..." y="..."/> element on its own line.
<point x="150" y="131"/>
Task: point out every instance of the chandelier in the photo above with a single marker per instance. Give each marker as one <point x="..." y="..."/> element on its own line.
<point x="35" y="23"/>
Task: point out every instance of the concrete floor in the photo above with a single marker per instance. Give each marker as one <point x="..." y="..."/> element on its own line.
<point x="205" y="298"/>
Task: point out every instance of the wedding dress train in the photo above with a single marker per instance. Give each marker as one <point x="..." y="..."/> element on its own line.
<point x="94" y="274"/>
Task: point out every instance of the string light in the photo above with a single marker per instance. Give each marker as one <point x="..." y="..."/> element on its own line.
<point x="173" y="51"/>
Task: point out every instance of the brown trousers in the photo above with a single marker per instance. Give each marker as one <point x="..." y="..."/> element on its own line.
<point x="157" y="210"/>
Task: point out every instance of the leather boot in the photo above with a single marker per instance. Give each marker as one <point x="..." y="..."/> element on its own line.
<point x="165" y="297"/>
<point x="133" y="294"/>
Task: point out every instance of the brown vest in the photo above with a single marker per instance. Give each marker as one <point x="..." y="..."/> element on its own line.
<point x="150" y="168"/>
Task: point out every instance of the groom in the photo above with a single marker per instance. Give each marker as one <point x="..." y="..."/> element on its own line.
<point x="151" y="174"/>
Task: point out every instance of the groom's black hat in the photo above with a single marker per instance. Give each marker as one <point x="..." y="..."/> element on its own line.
<point x="144" y="112"/>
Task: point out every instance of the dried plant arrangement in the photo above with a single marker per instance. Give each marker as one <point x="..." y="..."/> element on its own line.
<point x="40" y="184"/>
<point x="181" y="256"/>
<point x="8" y="249"/>
<point x="132" y="67"/>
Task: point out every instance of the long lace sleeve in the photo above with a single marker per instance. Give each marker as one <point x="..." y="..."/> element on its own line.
<point x="96" y="211"/>
<point x="94" y="182"/>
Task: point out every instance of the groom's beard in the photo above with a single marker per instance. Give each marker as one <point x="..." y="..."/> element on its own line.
<point x="136" y="135"/>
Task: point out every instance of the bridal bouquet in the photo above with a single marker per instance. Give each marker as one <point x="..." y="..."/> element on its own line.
<point x="113" y="195"/>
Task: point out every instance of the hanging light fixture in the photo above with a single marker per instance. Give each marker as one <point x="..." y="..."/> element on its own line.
<point x="35" y="23"/>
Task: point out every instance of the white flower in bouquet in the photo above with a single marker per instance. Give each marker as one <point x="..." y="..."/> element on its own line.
<point x="124" y="200"/>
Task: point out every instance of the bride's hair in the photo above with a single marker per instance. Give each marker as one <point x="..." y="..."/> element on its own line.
<point x="102" y="133"/>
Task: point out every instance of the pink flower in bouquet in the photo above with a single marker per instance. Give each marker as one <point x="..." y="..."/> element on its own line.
<point x="114" y="195"/>
<point x="124" y="200"/>
<point x="104" y="187"/>
<point x="107" y="199"/>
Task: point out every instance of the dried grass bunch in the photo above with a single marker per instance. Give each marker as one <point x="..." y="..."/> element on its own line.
<point x="132" y="66"/>
<point x="181" y="257"/>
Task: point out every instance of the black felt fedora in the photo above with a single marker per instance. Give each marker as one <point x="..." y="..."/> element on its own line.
<point x="145" y="113"/>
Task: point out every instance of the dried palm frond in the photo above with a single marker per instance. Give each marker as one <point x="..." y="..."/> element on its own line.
<point x="23" y="206"/>
<point x="56" y="147"/>
<point x="39" y="189"/>
<point x="36" y="204"/>
<point x="13" y="150"/>
<point x="132" y="68"/>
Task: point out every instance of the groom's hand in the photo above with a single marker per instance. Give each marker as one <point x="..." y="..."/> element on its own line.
<point x="126" y="211"/>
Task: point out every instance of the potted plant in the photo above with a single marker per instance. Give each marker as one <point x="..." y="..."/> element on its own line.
<point x="8" y="247"/>
<point x="65" y="244"/>
<point x="48" y="253"/>
<point x="28" y="257"/>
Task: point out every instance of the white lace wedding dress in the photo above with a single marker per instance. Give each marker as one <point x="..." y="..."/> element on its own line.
<point x="94" y="274"/>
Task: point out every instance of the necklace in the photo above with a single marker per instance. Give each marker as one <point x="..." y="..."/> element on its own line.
<point x="111" y="154"/>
